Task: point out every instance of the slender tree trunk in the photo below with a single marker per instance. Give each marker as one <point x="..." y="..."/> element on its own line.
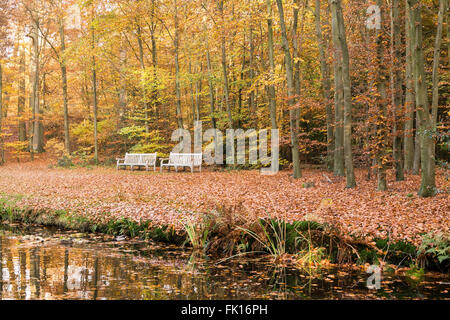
<point x="224" y="69"/>
<point x="291" y="93"/>
<point x="339" y="169"/>
<point x="2" y="151"/>
<point x="339" y="37"/>
<point x="198" y="90"/>
<point x="122" y="89"/>
<point x="436" y="59"/>
<point x="417" y="136"/>
<point x="428" y="185"/>
<point x="64" y="87"/>
<point x="396" y="88"/>
<point x="239" y="124"/>
<point x="252" y="100"/>
<point x="296" y="61"/>
<point x="271" y="86"/>
<point x="326" y="86"/>
<point x="177" y="71"/>
<point x="37" y="139"/>
<point x="191" y="83"/>
<point x="21" y="99"/>
<point x="409" y="101"/>
<point x="382" y="102"/>
<point x="338" y="163"/>
<point x="210" y="81"/>
<point x="447" y="15"/>
<point x="144" y="89"/>
<point x="417" y="160"/>
<point x="94" y="99"/>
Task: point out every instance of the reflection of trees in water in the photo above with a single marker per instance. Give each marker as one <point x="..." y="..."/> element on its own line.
<point x="1" y="267"/>
<point x="23" y="271"/>
<point x="54" y="271"/>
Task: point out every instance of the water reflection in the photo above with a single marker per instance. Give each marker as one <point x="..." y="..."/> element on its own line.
<point x="43" y="264"/>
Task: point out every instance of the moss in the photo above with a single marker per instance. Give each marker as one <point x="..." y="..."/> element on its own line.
<point x="66" y="220"/>
<point x="299" y="234"/>
<point x="399" y="252"/>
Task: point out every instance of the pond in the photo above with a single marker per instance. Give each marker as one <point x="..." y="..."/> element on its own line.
<point x="48" y="263"/>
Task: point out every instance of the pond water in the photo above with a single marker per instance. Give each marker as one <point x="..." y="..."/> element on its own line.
<point x="47" y="263"/>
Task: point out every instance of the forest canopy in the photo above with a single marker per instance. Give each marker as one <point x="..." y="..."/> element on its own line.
<point x="349" y="84"/>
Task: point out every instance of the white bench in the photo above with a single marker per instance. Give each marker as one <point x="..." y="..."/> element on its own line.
<point x="138" y="160"/>
<point x="182" y="160"/>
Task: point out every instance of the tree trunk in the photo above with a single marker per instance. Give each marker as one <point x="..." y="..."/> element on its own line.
<point x="396" y="88"/>
<point x="21" y="99"/>
<point x="382" y="101"/>
<point x="224" y="69"/>
<point x="409" y="101"/>
<point x="198" y="90"/>
<point x="252" y="100"/>
<point x="339" y="38"/>
<point x="37" y="139"/>
<point x="2" y="151"/>
<point x="94" y="98"/>
<point x="326" y="86"/>
<point x="416" y="163"/>
<point x="144" y="89"/>
<point x="338" y="101"/>
<point x="271" y="86"/>
<point x="296" y="61"/>
<point x="291" y="93"/>
<point x="191" y="83"/>
<point x="64" y="87"/>
<point x="177" y="72"/>
<point x="122" y="89"/>
<point x="428" y="185"/>
<point x="210" y="80"/>
<point x="436" y="58"/>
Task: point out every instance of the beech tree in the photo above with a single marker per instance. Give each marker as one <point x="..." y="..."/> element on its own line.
<point x="342" y="96"/>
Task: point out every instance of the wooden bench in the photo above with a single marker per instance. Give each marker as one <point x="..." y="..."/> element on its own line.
<point x="182" y="160"/>
<point x="138" y="160"/>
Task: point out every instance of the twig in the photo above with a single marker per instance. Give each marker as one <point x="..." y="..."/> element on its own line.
<point x="326" y="177"/>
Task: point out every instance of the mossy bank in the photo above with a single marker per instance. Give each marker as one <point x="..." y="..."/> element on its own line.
<point x="220" y="238"/>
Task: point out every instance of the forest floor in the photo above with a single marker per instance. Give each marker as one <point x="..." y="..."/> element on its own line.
<point x="167" y="198"/>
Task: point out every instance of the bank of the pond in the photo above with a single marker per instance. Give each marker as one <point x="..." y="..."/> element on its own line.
<point x="302" y="241"/>
<point x="50" y="263"/>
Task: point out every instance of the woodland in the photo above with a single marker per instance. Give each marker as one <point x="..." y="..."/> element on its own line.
<point x="359" y="91"/>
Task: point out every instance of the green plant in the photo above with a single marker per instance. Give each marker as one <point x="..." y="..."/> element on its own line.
<point x="311" y="258"/>
<point x="197" y="233"/>
<point x="415" y="274"/>
<point x="273" y="236"/>
<point x="434" y="246"/>
<point x="65" y="161"/>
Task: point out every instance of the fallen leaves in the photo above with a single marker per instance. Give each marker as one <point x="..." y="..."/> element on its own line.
<point x="165" y="198"/>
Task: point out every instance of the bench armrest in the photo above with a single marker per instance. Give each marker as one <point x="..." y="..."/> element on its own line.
<point x="161" y="160"/>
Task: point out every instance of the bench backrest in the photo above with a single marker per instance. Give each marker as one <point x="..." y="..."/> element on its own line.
<point x="140" y="158"/>
<point x="186" y="158"/>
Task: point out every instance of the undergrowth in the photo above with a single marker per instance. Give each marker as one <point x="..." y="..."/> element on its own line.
<point x="228" y="231"/>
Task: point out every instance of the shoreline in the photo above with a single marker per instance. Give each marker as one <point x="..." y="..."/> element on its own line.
<point x="339" y="249"/>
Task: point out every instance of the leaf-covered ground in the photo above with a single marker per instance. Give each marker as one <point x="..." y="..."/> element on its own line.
<point x="165" y="198"/>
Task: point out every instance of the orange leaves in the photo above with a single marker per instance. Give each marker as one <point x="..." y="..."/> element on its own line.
<point x="101" y="194"/>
